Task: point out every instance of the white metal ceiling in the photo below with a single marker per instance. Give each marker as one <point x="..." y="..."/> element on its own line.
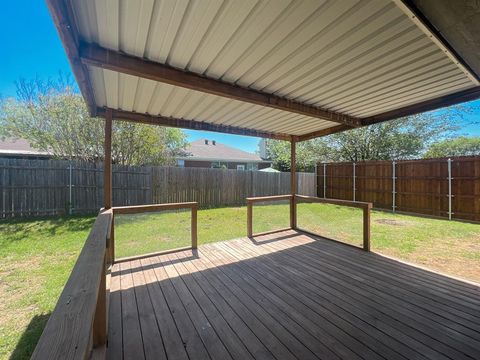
<point x="358" y="57"/>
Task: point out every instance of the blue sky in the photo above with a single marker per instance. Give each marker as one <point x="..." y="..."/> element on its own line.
<point x="31" y="48"/>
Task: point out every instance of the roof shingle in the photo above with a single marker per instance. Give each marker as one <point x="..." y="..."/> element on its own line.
<point x="204" y="149"/>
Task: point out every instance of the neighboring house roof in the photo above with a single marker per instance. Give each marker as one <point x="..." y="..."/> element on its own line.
<point x="11" y="147"/>
<point x="211" y="150"/>
<point x="270" y="170"/>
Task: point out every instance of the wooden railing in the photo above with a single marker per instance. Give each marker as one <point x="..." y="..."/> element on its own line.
<point x="77" y="328"/>
<point x="253" y="200"/>
<point x="78" y="323"/>
<point x="366" y="207"/>
<point x="193" y="206"/>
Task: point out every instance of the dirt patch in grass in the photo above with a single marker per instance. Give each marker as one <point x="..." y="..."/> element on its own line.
<point x="393" y="222"/>
<point x="451" y="256"/>
<point x="16" y="287"/>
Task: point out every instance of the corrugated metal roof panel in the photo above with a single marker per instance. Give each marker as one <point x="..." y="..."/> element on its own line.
<point x="146" y="96"/>
<point x="357" y="57"/>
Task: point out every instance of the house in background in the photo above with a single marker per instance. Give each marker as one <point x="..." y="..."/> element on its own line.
<point x="20" y="149"/>
<point x="212" y="154"/>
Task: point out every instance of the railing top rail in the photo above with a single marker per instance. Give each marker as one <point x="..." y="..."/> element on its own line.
<point x="67" y="334"/>
<point x="357" y="204"/>
<point x="154" y="207"/>
<point x="269" y="198"/>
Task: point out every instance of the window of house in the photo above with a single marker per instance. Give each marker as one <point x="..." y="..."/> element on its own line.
<point x="252" y="166"/>
<point x="240" y="167"/>
<point x="219" y="165"/>
<point x="181" y="163"/>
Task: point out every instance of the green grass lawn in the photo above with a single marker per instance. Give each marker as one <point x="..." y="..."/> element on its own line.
<point x="36" y="256"/>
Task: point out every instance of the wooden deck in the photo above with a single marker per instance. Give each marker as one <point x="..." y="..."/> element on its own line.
<point x="288" y="296"/>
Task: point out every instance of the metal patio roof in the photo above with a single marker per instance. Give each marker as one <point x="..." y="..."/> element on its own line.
<point x="278" y="68"/>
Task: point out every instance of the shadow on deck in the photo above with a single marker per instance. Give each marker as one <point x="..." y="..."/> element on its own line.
<point x="288" y="295"/>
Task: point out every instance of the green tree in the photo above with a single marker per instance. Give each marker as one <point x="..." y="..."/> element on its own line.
<point x="403" y="138"/>
<point x="461" y="146"/>
<point x="53" y="117"/>
<point x="308" y="153"/>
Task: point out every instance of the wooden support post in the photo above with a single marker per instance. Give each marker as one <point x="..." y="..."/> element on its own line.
<point x="194" y="227"/>
<point x="107" y="163"/>
<point x="293" y="185"/>
<point x="100" y="319"/>
<point x="366" y="227"/>
<point x="249" y="219"/>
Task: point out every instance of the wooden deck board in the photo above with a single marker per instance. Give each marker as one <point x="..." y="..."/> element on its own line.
<point x="280" y="310"/>
<point x="355" y="332"/>
<point x="288" y="295"/>
<point x="238" y="325"/>
<point x="132" y="335"/>
<point x="364" y="302"/>
<point x="341" y="304"/>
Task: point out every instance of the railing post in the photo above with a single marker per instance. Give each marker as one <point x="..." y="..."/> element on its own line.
<point x="293" y="212"/>
<point x="366" y="226"/>
<point x="100" y="319"/>
<point x="194" y="227"/>
<point x="111" y="244"/>
<point x="249" y="219"/>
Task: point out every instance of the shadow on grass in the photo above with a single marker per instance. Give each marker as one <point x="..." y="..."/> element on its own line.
<point x="18" y="229"/>
<point x="146" y="217"/>
<point x="29" y="338"/>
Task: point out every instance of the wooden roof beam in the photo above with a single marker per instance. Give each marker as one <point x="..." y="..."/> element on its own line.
<point x="429" y="105"/>
<point x="188" y="124"/>
<point x="324" y="132"/>
<point x="94" y="55"/>
<point x="67" y="30"/>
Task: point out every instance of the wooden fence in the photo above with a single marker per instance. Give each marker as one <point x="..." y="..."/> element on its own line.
<point x="447" y="188"/>
<point x="50" y="187"/>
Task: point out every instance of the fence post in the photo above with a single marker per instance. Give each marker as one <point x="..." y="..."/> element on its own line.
<point x="449" y="162"/>
<point x="70" y="204"/>
<point x="394" y="190"/>
<point x="315" y="184"/>
<point x="4" y="192"/>
<point x="324" y="180"/>
<point x="354" y="185"/>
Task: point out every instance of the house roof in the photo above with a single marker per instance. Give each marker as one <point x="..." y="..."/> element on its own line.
<point x="282" y="69"/>
<point x="10" y="147"/>
<point x="211" y="150"/>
